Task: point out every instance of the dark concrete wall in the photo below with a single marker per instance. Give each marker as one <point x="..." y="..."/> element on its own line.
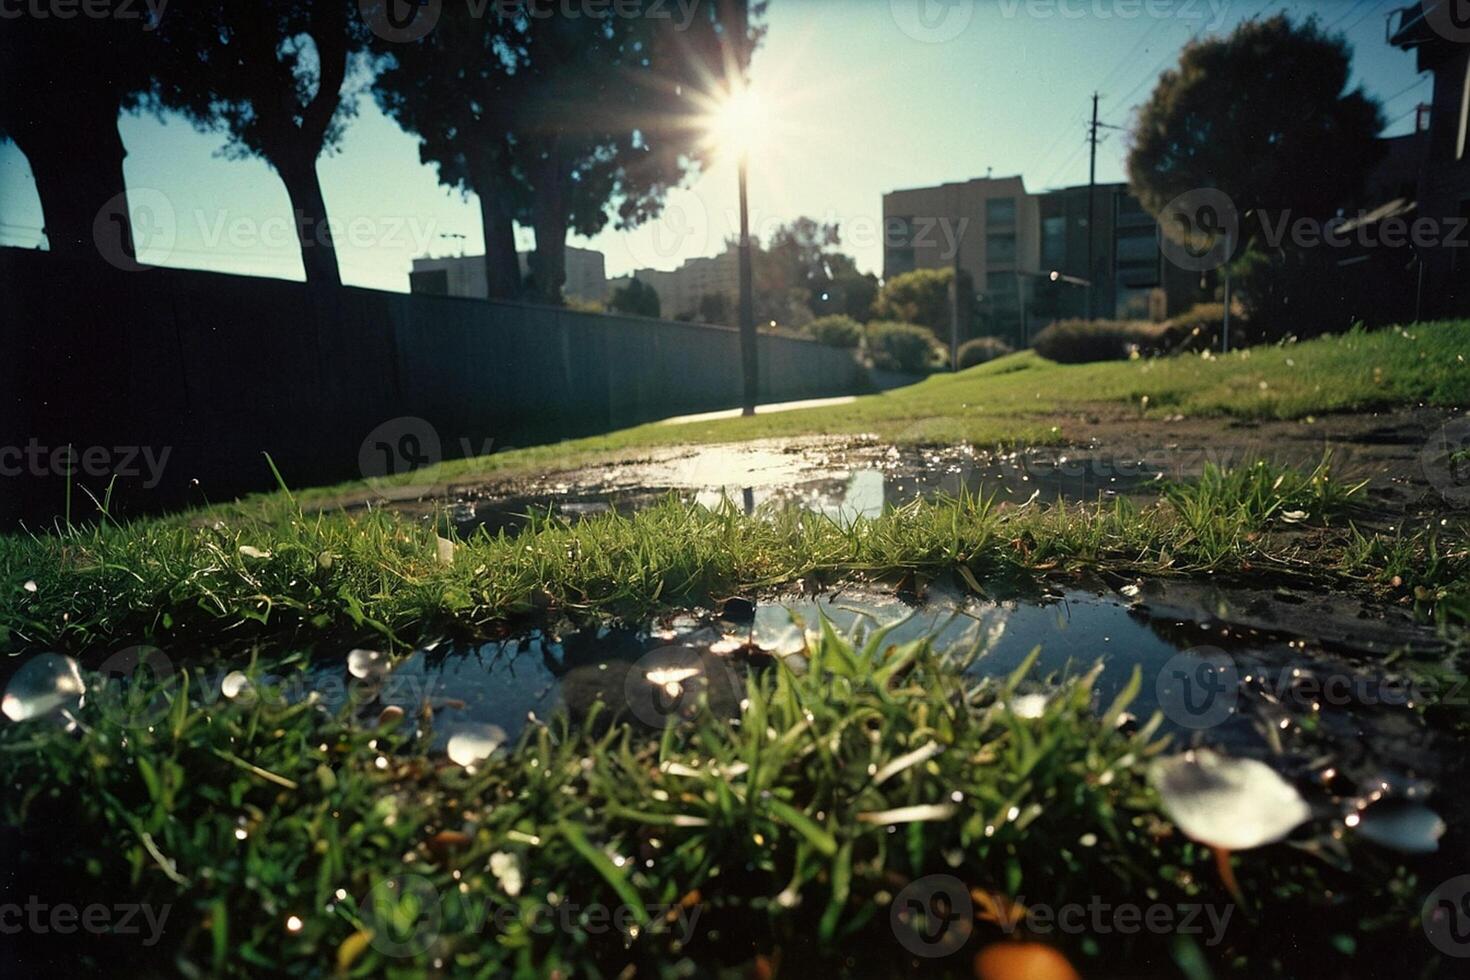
<point x="217" y="369"/>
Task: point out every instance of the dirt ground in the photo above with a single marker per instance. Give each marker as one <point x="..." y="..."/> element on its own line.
<point x="1106" y="450"/>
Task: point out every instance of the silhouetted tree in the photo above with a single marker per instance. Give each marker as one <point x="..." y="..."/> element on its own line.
<point x="607" y="112"/>
<point x="455" y="89"/>
<point x="63" y="82"/>
<point x="273" y="76"/>
<point x="717" y="308"/>
<point x="1264" y="115"/>
<point x="637" y="299"/>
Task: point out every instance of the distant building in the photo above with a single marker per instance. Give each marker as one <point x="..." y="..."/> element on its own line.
<point x="1010" y="241"/>
<point x="464" y="275"/>
<point x="1442" y="191"/>
<point x="988" y="227"/>
<point x="680" y="290"/>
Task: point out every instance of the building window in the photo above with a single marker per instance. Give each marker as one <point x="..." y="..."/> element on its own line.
<point x="1000" y="211"/>
<point x="1000" y="248"/>
<point x="1054" y="242"/>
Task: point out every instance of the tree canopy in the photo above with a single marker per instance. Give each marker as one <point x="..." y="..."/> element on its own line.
<point x="1264" y="116"/>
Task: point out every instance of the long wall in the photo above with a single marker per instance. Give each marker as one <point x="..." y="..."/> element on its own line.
<point x="215" y="370"/>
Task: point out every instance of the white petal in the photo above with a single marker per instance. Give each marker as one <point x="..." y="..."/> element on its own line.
<point x="1232" y="803"/>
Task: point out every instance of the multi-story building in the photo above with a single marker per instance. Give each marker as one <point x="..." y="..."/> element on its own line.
<point x="680" y="290"/>
<point x="1011" y="241"/>
<point x="1434" y="30"/>
<point x="986" y="227"/>
<point x="464" y="275"/>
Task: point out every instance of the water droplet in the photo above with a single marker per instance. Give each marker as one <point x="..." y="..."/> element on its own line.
<point x="367" y="663"/>
<point x="471" y="743"/>
<point x="1399" y="824"/>
<point x="234" y="684"/>
<point x="45" y="684"/>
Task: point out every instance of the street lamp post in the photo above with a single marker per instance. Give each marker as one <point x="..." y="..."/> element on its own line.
<point x="749" y="363"/>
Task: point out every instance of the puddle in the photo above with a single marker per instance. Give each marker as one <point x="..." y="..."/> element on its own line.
<point x="1252" y="691"/>
<point x="860" y="483"/>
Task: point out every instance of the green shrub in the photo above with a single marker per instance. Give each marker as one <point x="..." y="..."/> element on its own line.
<point x="1081" y="341"/>
<point x="900" y="347"/>
<point x="836" y="331"/>
<point x="1199" y="327"/>
<point x="982" y="349"/>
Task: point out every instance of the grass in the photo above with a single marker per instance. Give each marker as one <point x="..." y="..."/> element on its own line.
<point x="1024" y="399"/>
<point x="292" y="840"/>
<point x="279" y="834"/>
<point x="279" y="573"/>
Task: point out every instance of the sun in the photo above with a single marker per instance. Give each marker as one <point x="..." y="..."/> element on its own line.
<point x="736" y="122"/>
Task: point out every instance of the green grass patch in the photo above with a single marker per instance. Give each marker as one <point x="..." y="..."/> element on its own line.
<point x="290" y="840"/>
<point x="1023" y="399"/>
<point x="278" y="571"/>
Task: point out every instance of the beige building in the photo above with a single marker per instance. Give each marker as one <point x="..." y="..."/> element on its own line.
<point x="680" y="290"/>
<point x="990" y="225"/>
<point x="464" y="275"/>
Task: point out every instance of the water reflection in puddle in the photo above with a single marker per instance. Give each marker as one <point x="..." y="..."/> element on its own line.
<point x="864" y="488"/>
<point x="1247" y="691"/>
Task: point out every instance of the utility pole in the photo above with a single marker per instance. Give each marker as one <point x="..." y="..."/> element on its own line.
<point x="749" y="358"/>
<point x="954" y="314"/>
<point x="1091" y="183"/>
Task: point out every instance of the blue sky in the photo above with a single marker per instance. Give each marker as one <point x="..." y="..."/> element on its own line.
<point x="862" y="98"/>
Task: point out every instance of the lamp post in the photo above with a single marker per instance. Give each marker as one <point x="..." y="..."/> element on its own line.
<point x="749" y="362"/>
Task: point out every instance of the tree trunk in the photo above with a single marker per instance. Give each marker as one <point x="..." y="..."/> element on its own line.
<point x="497" y="216"/>
<point x="550" y="210"/>
<point x="309" y="214"/>
<point x="78" y="169"/>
